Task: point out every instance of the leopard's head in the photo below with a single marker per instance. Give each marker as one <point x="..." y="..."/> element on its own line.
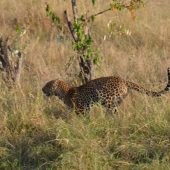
<point x="56" y="88"/>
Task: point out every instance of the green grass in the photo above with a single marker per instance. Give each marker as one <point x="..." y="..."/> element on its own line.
<point x="42" y="134"/>
<point x="37" y="133"/>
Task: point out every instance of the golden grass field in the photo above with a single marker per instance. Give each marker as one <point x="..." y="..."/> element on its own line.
<point x="37" y="133"/>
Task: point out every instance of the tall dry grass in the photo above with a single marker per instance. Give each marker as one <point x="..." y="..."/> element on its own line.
<point x="37" y="133"/>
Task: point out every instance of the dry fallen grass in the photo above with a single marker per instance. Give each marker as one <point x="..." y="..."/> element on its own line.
<point x="40" y="134"/>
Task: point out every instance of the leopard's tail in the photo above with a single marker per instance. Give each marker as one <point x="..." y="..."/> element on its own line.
<point x="141" y="89"/>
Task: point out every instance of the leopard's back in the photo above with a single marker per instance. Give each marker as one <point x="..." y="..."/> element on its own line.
<point x="109" y="91"/>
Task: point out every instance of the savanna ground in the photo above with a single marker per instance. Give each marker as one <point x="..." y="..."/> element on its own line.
<point x="37" y="133"/>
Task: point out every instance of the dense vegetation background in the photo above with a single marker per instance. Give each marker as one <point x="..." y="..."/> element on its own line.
<point x="36" y="133"/>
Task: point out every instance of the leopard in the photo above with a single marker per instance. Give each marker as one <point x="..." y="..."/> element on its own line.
<point x="108" y="91"/>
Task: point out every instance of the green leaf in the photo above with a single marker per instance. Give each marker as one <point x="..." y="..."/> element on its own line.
<point x="92" y="18"/>
<point x="18" y="29"/>
<point x="93" y="2"/>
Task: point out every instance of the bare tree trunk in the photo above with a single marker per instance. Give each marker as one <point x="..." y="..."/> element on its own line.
<point x="10" y="68"/>
<point x="86" y="69"/>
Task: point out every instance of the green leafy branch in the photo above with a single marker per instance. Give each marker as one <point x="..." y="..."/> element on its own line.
<point x="84" y="44"/>
<point x="55" y="19"/>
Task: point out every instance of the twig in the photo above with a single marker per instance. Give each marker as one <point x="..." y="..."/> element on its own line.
<point x="18" y="68"/>
<point x="74" y="9"/>
<point x="99" y="13"/>
<point x="106" y="10"/>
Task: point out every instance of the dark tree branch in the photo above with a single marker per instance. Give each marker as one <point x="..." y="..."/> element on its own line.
<point x="70" y="26"/>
